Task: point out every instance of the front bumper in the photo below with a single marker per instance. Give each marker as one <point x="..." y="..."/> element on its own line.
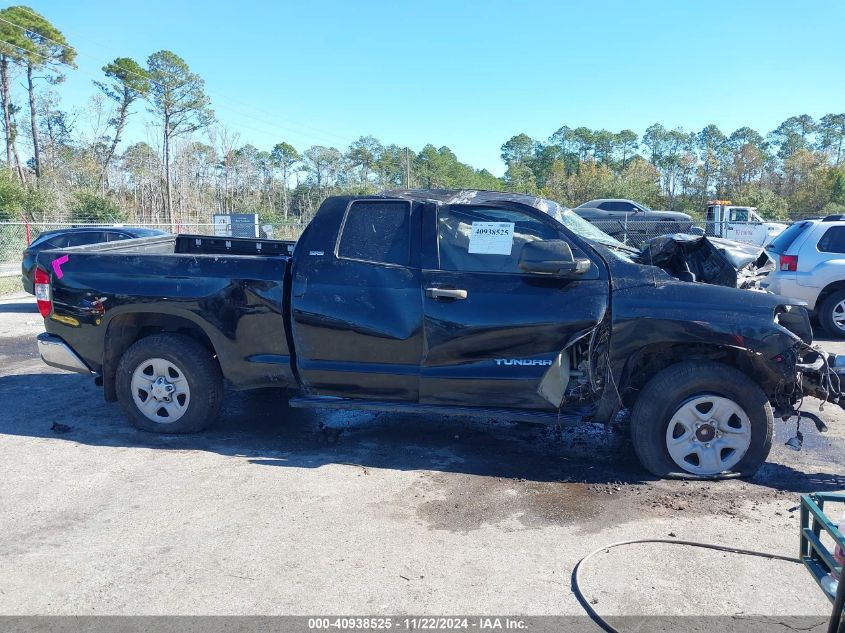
<point x="56" y="353"/>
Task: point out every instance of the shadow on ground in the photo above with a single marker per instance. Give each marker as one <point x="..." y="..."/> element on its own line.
<point x="260" y="426"/>
<point x="22" y="306"/>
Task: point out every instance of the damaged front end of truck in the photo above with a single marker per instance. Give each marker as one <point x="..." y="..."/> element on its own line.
<point x="655" y="322"/>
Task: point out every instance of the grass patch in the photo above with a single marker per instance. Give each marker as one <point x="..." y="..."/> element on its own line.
<point x="10" y="285"/>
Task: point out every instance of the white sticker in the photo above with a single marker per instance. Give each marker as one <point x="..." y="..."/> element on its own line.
<point x="491" y="238"/>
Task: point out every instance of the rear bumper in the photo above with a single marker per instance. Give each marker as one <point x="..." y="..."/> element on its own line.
<point x="56" y="353"/>
<point x="790" y="288"/>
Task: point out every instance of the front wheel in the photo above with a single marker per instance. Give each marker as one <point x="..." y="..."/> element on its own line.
<point x="169" y="383"/>
<point x="701" y="419"/>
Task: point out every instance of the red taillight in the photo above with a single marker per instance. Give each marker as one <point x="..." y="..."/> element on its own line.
<point x="42" y="292"/>
<point x="789" y="263"/>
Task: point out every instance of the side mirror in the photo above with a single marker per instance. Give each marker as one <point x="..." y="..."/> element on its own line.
<point x="551" y="257"/>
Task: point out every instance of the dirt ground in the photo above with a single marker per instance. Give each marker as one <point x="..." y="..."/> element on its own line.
<point x="281" y="511"/>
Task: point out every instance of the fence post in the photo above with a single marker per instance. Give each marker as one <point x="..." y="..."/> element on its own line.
<point x="28" y="240"/>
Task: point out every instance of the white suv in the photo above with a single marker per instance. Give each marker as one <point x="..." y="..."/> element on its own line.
<point x="810" y="265"/>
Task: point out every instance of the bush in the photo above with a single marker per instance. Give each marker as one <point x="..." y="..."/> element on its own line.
<point x="13" y="197"/>
<point x="833" y="208"/>
<point x="89" y="207"/>
<point x="769" y="204"/>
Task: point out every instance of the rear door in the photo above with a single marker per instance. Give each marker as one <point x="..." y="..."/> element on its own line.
<point x="492" y="331"/>
<point x="824" y="263"/>
<point x="356" y="303"/>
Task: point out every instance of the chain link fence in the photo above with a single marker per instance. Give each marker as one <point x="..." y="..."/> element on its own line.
<point x="15" y="236"/>
<point x="636" y="232"/>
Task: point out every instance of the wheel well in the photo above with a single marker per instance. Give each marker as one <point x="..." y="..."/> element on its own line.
<point x="654" y="358"/>
<point x="827" y="291"/>
<point x="125" y="329"/>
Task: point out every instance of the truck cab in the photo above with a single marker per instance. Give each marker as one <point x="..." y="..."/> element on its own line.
<point x="740" y="223"/>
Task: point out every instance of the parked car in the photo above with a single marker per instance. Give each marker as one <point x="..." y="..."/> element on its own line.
<point x="75" y="236"/>
<point x="436" y="302"/>
<point x="631" y="221"/>
<point x="810" y="266"/>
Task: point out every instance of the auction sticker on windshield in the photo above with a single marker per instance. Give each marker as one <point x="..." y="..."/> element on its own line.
<point x="491" y="238"/>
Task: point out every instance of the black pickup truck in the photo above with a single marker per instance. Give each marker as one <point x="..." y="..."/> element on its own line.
<point x="440" y="302"/>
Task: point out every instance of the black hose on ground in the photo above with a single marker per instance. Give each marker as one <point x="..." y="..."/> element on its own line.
<point x="600" y="621"/>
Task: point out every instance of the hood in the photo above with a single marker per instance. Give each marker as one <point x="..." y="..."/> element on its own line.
<point x="639" y="291"/>
<point x="711" y="260"/>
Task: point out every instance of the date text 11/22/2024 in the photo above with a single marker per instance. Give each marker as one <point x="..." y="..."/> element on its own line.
<point x="421" y="623"/>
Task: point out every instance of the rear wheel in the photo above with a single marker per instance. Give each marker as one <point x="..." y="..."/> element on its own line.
<point x="700" y="419"/>
<point x="832" y="314"/>
<point x="169" y="383"/>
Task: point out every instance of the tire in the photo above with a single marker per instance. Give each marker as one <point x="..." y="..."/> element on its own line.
<point x="175" y="372"/>
<point x="684" y="395"/>
<point x="828" y="312"/>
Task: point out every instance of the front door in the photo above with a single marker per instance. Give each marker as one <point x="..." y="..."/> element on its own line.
<point x="491" y="330"/>
<point x="743" y="228"/>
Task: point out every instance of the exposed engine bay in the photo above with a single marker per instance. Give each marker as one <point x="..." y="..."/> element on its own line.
<point x="709" y="260"/>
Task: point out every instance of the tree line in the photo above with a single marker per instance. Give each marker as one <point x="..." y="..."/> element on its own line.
<point x="80" y="165"/>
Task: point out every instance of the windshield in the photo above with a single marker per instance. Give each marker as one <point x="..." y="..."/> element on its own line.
<point x="580" y="226"/>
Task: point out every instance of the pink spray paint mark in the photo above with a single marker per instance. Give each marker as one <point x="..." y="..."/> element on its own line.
<point x="57" y="265"/>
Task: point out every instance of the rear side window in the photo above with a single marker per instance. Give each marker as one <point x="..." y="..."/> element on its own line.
<point x="833" y="240"/>
<point x="377" y="231"/>
<point x="86" y="237"/>
<point x="46" y="241"/>
<point x="783" y="241"/>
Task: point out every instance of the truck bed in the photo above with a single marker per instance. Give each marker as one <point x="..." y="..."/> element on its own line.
<point x="191" y="244"/>
<point x="229" y="293"/>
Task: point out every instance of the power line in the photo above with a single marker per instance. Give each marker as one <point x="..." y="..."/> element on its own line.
<point x="264" y="131"/>
<point x="323" y="133"/>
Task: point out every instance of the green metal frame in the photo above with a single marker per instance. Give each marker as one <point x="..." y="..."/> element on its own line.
<point x="816" y="557"/>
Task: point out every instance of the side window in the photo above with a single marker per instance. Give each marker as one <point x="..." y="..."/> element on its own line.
<point x="479" y="239"/>
<point x="115" y="237"/>
<point x="377" y="231"/>
<point x="86" y="237"/>
<point x="833" y="240"/>
<point x="617" y="206"/>
<point x="739" y="215"/>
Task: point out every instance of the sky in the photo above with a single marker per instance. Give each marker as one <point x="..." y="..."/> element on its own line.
<point x="469" y="75"/>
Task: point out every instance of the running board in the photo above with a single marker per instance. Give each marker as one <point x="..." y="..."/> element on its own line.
<point x="513" y="415"/>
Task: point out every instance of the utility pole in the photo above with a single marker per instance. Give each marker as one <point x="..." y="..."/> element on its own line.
<point x="407" y="170"/>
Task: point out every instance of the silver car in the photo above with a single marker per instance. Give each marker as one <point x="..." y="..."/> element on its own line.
<point x="810" y="266"/>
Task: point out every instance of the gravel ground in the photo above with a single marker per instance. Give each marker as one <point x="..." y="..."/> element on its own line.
<point x="281" y="511"/>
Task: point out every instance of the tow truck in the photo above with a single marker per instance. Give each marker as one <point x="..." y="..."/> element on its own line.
<point x="740" y="223"/>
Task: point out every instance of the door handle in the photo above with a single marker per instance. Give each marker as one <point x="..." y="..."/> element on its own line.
<point x="445" y="293"/>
